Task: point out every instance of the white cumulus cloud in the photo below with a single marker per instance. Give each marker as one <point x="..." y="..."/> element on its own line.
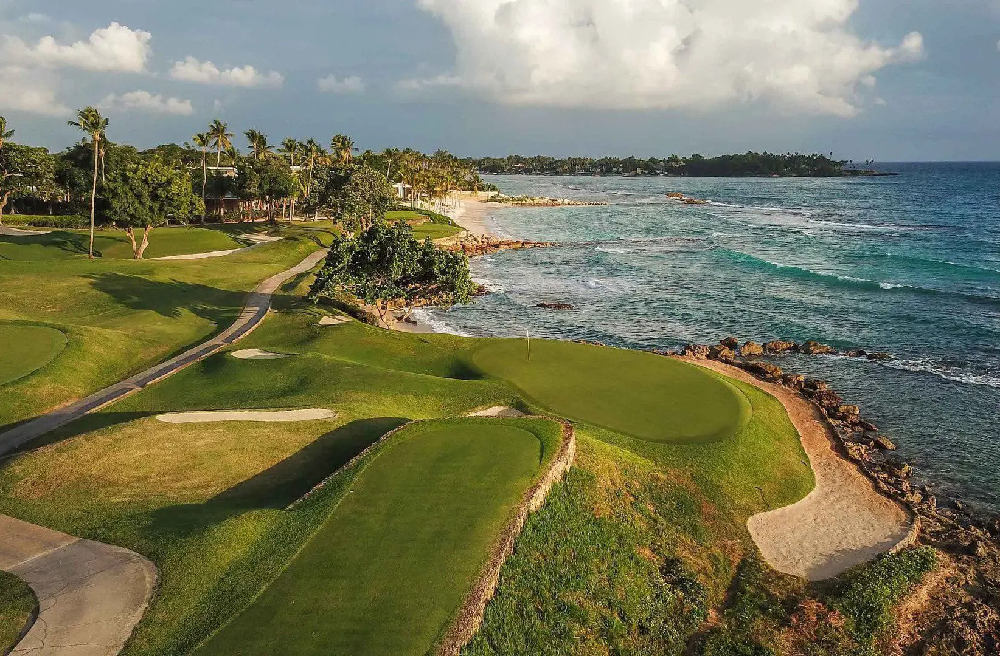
<point x="193" y="70"/>
<point x="113" y="48"/>
<point x="347" y="85"/>
<point x="147" y="102"/>
<point x="796" y="54"/>
<point x="32" y="92"/>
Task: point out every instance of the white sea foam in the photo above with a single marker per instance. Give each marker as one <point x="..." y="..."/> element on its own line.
<point x="947" y="372"/>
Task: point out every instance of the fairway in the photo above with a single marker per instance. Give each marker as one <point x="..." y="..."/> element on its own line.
<point x="114" y="244"/>
<point x="27" y="349"/>
<point x="639" y="394"/>
<point x="390" y="567"/>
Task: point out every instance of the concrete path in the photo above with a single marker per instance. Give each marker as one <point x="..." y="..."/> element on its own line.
<point x="90" y="595"/>
<point x="257" y="305"/>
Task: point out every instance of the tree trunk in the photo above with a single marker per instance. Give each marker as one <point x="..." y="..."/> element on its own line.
<point x="145" y="242"/>
<point x="204" y="182"/>
<point x="93" y="199"/>
<point x="3" y="204"/>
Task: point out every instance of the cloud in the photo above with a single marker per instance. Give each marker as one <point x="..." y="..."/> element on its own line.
<point x="347" y="85"/>
<point x="147" y="102"/>
<point x="660" y="54"/>
<point x="192" y="70"/>
<point x="113" y="48"/>
<point x="27" y="91"/>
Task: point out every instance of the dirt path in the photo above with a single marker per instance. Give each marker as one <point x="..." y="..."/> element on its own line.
<point x="843" y="522"/>
<point x="90" y="594"/>
<point x="257" y="305"/>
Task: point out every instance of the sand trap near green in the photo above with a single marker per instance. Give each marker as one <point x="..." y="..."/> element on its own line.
<point x="27" y="349"/>
<point x="640" y="394"/>
<point x="390" y="567"/>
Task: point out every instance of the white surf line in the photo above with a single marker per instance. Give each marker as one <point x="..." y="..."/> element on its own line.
<point x="843" y="522"/>
<point x="90" y="594"/>
<point x="210" y="416"/>
<point x="257" y="354"/>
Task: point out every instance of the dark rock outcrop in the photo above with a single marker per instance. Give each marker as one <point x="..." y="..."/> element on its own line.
<point x="751" y="350"/>
<point x="778" y="346"/>
<point x="555" y="306"/>
<point x="812" y="347"/>
<point x="730" y="343"/>
<point x="722" y="353"/>
<point x="696" y="351"/>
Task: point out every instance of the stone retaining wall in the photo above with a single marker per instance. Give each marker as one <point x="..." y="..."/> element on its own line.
<point x="470" y="616"/>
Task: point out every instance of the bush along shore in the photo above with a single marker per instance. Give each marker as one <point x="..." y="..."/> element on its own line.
<point x="962" y="604"/>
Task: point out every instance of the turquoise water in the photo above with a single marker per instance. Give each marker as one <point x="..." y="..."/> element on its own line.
<point x="908" y="264"/>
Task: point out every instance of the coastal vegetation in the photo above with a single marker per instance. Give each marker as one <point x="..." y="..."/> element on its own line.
<point x="747" y="164"/>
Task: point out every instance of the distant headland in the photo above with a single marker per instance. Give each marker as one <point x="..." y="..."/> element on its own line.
<point x="746" y="165"/>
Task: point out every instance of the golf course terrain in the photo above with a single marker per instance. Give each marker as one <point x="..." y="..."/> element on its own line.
<point x="320" y="536"/>
<point x="16" y="605"/>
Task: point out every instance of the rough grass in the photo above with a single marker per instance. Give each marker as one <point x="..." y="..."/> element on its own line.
<point x="27" y="348"/>
<point x="120" y="316"/>
<point x="387" y="571"/>
<point x="17" y="602"/>
<point x="666" y="400"/>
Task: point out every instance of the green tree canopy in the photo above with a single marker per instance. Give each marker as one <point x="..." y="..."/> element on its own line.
<point x="386" y="268"/>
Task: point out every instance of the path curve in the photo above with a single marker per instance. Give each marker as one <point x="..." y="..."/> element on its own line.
<point x="843" y="522"/>
<point x="17" y="232"/>
<point x="257" y="305"/>
<point x="259" y="240"/>
<point x="90" y="594"/>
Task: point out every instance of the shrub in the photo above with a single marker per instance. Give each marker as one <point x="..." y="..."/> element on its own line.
<point x="41" y="221"/>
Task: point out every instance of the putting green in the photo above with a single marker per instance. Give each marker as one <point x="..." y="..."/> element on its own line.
<point x="25" y="348"/>
<point x="640" y="394"/>
<point x="388" y="570"/>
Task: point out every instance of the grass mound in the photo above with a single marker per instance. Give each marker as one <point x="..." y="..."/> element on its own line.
<point x="388" y="570"/>
<point x="28" y="349"/>
<point x="664" y="401"/>
<point x="17" y="602"/>
<point x="114" y="244"/>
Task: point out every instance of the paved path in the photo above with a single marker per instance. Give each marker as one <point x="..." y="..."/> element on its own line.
<point x="90" y="595"/>
<point x="257" y="305"/>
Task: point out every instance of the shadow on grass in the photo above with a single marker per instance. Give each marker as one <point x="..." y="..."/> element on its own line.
<point x="70" y="242"/>
<point x="280" y="485"/>
<point x="84" y="424"/>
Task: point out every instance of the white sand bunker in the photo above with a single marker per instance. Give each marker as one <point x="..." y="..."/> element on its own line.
<point x="262" y="239"/>
<point x="843" y="522"/>
<point x="333" y="321"/>
<point x="502" y="411"/>
<point x="208" y="416"/>
<point x="257" y="354"/>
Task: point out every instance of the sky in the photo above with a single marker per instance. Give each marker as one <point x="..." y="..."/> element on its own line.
<point x="891" y="80"/>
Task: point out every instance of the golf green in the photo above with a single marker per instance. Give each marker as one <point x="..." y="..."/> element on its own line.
<point x="640" y="394"/>
<point x="390" y="567"/>
<point x="27" y="348"/>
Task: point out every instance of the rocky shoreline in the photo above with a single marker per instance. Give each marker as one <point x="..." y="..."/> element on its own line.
<point x="539" y="201"/>
<point x="473" y="245"/>
<point x="963" y="608"/>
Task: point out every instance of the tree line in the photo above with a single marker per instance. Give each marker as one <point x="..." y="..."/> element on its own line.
<point x="747" y="164"/>
<point x="208" y="178"/>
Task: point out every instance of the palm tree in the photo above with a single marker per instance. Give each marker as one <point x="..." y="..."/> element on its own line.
<point x="4" y="135"/>
<point x="290" y="148"/>
<point x="343" y="149"/>
<point x="202" y="140"/>
<point x="221" y="137"/>
<point x="90" y="121"/>
<point x="258" y="143"/>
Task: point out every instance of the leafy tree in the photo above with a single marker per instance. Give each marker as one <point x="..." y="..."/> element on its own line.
<point x="266" y="182"/>
<point x="342" y="148"/>
<point x="146" y="194"/>
<point x="221" y="138"/>
<point x="366" y="197"/>
<point x="386" y="268"/>
<point x="90" y="121"/>
<point x="258" y="143"/>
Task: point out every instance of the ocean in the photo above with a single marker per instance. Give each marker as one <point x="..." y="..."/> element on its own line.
<point x="907" y="264"/>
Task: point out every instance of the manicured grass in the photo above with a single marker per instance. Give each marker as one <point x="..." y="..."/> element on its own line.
<point x="27" y="349"/>
<point x="114" y="244"/>
<point x="120" y="316"/>
<point x="666" y="400"/>
<point x="435" y="231"/>
<point x="17" y="602"/>
<point x="389" y="568"/>
<point x="437" y="226"/>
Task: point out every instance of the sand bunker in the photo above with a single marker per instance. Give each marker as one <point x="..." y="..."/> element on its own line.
<point x="258" y="240"/>
<point x="502" y="411"/>
<point x="17" y="232"/>
<point x="208" y="416"/>
<point x="843" y="522"/>
<point x="333" y="321"/>
<point x="257" y="354"/>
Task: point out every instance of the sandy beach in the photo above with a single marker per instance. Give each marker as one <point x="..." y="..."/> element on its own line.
<point x="471" y="210"/>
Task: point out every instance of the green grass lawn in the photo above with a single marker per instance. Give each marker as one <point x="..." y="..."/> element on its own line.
<point x="387" y="571"/>
<point x="17" y="602"/>
<point x="27" y="348"/>
<point x="426" y="223"/>
<point x="668" y="400"/>
<point x="119" y="316"/>
<point x="114" y="244"/>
